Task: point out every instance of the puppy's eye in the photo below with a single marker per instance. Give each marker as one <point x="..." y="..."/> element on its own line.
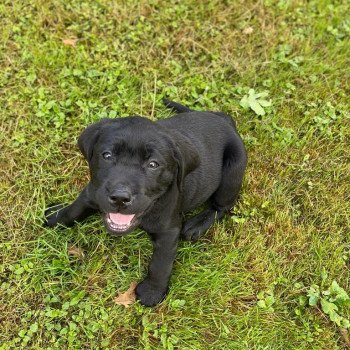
<point x="153" y="164"/>
<point x="107" y="155"/>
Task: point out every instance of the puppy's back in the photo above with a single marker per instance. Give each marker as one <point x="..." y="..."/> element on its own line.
<point x="210" y="133"/>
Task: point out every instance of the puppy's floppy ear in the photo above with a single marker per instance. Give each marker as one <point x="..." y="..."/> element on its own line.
<point x="89" y="137"/>
<point x="186" y="157"/>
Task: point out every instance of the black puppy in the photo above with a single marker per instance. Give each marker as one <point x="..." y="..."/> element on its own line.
<point x="147" y="174"/>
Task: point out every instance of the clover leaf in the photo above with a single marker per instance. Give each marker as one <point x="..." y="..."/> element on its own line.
<point x="255" y="101"/>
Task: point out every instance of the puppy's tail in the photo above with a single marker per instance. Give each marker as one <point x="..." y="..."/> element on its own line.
<point x="177" y="107"/>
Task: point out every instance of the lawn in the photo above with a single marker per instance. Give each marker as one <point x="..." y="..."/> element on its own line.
<point x="274" y="274"/>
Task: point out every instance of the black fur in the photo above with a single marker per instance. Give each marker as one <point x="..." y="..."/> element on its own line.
<point x="157" y="171"/>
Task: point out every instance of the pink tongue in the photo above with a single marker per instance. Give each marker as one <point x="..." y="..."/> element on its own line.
<point x="121" y="219"/>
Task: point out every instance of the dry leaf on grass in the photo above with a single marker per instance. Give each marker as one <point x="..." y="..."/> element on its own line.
<point x="345" y="336"/>
<point x="75" y="251"/>
<point x="127" y="298"/>
<point x="247" y="31"/>
<point x="70" y="42"/>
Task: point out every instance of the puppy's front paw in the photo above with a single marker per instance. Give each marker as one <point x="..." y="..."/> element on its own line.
<point x="53" y="215"/>
<point x="148" y="294"/>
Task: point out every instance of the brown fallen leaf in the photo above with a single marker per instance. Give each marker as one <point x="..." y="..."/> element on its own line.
<point x="345" y="336"/>
<point x="127" y="298"/>
<point x="248" y="30"/>
<point x="75" y="251"/>
<point x="70" y="42"/>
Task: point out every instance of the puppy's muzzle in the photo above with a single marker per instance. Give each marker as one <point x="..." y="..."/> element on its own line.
<point x="120" y="197"/>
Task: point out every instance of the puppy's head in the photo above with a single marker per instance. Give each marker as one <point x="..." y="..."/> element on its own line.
<point x="133" y="162"/>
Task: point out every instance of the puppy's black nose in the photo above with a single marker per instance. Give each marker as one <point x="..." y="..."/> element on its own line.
<point x="120" y="197"/>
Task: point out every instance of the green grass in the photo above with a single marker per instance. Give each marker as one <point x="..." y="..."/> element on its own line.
<point x="245" y="284"/>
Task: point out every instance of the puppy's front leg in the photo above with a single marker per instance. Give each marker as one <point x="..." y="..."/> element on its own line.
<point x="63" y="215"/>
<point x="153" y="289"/>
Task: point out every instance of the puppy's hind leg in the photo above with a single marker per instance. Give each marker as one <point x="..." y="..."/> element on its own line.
<point x="194" y="227"/>
<point x="234" y="163"/>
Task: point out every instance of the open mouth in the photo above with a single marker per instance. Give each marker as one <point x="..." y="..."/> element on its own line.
<point x="120" y="223"/>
